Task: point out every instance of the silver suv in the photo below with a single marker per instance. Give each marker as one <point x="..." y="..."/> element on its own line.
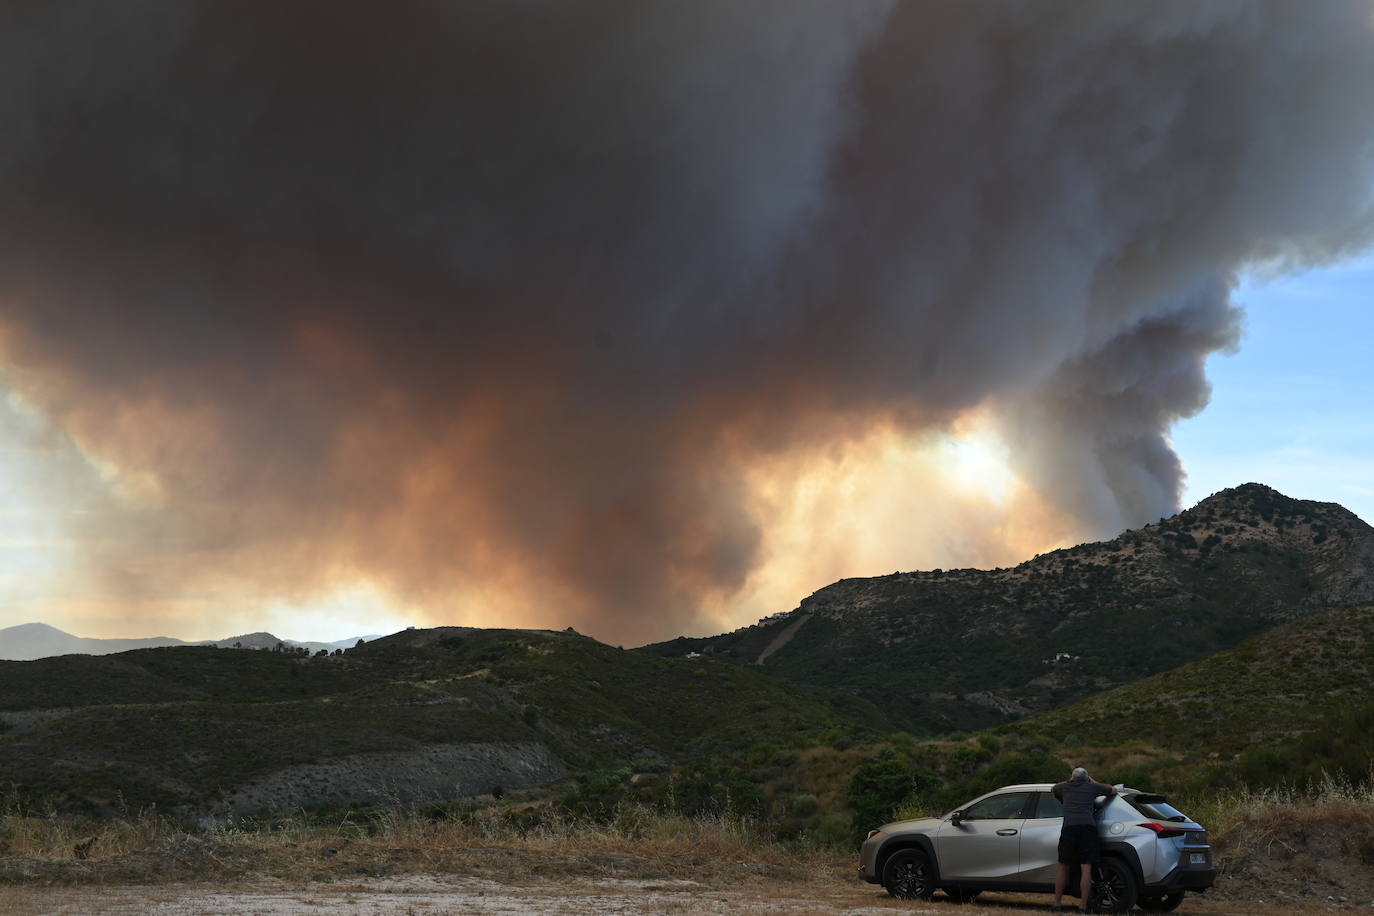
<point x="1008" y="840"/>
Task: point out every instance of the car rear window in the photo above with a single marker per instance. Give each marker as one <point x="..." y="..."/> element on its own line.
<point x="1156" y="807"/>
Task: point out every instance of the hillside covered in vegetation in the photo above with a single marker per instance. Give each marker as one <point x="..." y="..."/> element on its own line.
<point x="954" y="650"/>
<point x="419" y="715"/>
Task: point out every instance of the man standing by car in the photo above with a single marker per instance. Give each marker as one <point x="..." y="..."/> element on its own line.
<point x="1078" y="841"/>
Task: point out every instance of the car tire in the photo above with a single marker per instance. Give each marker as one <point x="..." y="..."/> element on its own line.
<point x="1114" y="888"/>
<point x="907" y="875"/>
<point x="962" y="894"/>
<point x="1160" y="903"/>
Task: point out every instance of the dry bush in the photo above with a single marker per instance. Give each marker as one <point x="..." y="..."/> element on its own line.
<point x="48" y="837"/>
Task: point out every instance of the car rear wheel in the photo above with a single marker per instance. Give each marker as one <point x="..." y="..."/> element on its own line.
<point x="1161" y="903"/>
<point x="907" y="875"/>
<point x="1114" y="889"/>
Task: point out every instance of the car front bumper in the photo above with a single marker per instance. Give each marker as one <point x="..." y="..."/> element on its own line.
<point x="868" y="859"/>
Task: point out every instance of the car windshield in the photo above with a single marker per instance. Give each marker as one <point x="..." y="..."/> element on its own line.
<point x="1156" y="807"/>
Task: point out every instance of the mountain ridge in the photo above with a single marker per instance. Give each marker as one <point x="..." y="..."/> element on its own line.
<point x="951" y="650"/>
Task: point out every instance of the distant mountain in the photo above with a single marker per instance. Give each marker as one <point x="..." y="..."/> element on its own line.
<point x="38" y="640"/>
<point x="30" y="641"/>
<point x="954" y="650"/>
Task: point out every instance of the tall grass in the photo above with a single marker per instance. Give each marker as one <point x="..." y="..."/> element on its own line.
<point x="1329" y="796"/>
<point x="642" y="829"/>
<point x="630" y="828"/>
<point x="46" y="835"/>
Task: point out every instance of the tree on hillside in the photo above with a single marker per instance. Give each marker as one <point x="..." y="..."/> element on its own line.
<point x="880" y="785"/>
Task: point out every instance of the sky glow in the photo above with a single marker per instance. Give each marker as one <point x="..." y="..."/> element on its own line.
<point x="1291" y="408"/>
<point x="651" y="320"/>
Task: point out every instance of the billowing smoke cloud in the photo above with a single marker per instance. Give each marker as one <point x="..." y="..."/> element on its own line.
<point x="486" y="297"/>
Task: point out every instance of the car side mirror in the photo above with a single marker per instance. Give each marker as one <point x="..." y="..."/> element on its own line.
<point x="956" y="818"/>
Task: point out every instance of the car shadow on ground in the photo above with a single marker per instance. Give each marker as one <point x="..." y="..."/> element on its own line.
<point x="1005" y="902"/>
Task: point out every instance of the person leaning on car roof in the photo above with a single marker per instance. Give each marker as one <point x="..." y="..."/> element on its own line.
<point x="1078" y="841"/>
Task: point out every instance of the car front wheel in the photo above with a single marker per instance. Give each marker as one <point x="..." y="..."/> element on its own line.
<point x="1161" y="903"/>
<point x="1114" y="889"/>
<point x="907" y="875"/>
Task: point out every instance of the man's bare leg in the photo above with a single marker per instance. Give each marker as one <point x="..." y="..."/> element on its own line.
<point x="1085" y="885"/>
<point x="1061" y="881"/>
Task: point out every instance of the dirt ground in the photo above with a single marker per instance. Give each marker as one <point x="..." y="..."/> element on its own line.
<point x="423" y="895"/>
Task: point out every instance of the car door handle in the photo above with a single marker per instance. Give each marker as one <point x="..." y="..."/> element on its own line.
<point x="1010" y="831"/>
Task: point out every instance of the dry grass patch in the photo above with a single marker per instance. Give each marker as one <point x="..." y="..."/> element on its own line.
<point x="49" y="838"/>
<point x="505" y="844"/>
<point x="1295" y="845"/>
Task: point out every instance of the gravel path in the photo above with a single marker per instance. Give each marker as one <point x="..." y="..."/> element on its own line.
<point x="425" y="895"/>
<point x="433" y="896"/>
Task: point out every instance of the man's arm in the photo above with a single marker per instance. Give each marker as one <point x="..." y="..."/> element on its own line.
<point x="1058" y="790"/>
<point x="1107" y="791"/>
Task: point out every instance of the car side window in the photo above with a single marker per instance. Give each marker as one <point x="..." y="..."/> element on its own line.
<point x="1046" y="805"/>
<point x="999" y="807"/>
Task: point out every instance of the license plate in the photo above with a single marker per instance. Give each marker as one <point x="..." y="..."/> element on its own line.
<point x="1197" y="858"/>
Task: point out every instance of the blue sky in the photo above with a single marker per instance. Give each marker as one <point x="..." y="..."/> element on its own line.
<point x="1294" y="407"/>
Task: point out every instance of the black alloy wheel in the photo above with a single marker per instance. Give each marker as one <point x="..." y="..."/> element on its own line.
<point x="1161" y="903"/>
<point x="907" y="875"/>
<point x="1114" y="889"/>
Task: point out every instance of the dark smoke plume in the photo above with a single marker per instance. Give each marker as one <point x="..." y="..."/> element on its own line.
<point x="457" y="297"/>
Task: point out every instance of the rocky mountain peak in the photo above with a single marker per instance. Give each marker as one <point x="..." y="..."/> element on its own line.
<point x="958" y="649"/>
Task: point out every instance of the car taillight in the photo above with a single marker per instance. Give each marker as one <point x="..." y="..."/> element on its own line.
<point x="1161" y="831"/>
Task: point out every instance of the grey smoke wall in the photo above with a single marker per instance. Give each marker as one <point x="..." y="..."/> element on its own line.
<point x="448" y="295"/>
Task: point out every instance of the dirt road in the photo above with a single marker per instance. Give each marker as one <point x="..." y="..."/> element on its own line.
<point x="433" y="896"/>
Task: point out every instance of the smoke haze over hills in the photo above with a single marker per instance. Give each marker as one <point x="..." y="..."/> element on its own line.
<point x="550" y="314"/>
<point x="29" y="641"/>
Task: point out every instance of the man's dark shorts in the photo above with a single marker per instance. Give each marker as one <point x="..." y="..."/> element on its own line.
<point x="1079" y="845"/>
